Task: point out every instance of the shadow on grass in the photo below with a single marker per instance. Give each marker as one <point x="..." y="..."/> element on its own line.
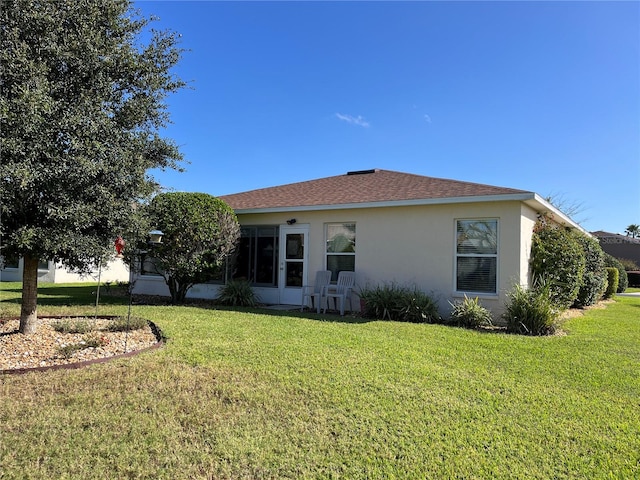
<point x="69" y="295"/>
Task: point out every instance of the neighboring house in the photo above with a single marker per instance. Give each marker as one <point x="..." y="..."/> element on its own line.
<point x="448" y="238"/>
<point x="619" y="246"/>
<point x="49" y="271"/>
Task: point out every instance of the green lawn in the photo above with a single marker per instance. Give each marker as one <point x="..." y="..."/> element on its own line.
<point x="258" y="394"/>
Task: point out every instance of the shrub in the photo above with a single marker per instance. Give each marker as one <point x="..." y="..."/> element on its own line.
<point x="531" y="311"/>
<point x="612" y="279"/>
<point x="623" y="278"/>
<point x="469" y="313"/>
<point x="126" y="324"/>
<point x="558" y="258"/>
<point x="595" y="276"/>
<point x="237" y="293"/>
<point x="73" y="325"/>
<point x="395" y="302"/>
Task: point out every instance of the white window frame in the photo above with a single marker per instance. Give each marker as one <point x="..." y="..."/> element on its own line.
<point x="457" y="255"/>
<point x="328" y="254"/>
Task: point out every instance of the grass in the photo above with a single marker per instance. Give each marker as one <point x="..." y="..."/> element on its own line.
<point x="261" y="394"/>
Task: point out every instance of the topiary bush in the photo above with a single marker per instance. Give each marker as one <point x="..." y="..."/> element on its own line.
<point x="394" y="302"/>
<point x="558" y="258"/>
<point x="623" y="278"/>
<point x="469" y="313"/>
<point x="531" y="311"/>
<point x="237" y="293"/>
<point x="612" y="282"/>
<point x="594" y="279"/>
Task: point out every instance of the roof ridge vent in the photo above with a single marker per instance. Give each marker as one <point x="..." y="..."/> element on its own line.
<point x="362" y="172"/>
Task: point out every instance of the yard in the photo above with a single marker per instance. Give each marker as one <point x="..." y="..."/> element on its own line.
<point x="262" y="394"/>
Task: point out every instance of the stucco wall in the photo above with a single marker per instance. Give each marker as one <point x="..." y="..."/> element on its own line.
<point x="116" y="270"/>
<point x="414" y="245"/>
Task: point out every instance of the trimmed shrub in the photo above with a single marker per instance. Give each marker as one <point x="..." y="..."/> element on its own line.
<point x="394" y="302"/>
<point x="237" y="293"/>
<point x="558" y="258"/>
<point x="612" y="279"/>
<point x="531" y="311"/>
<point x="469" y="313"/>
<point x="594" y="279"/>
<point x="623" y="278"/>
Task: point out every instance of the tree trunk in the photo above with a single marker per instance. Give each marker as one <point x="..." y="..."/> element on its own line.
<point x="29" y="310"/>
<point x="177" y="290"/>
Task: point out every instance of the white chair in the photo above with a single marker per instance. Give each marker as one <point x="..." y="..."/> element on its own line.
<point x="316" y="292"/>
<point x="341" y="290"/>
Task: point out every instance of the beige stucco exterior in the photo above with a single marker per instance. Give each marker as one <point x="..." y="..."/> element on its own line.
<point x="414" y="245"/>
<point x="115" y="270"/>
<point x="409" y="243"/>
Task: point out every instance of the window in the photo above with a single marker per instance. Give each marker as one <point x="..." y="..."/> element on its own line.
<point x="255" y="257"/>
<point x="43" y="264"/>
<point x="10" y="262"/>
<point x="340" y="248"/>
<point x="477" y="256"/>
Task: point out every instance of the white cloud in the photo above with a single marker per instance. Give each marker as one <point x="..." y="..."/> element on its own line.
<point x="353" y="120"/>
<point x="427" y="118"/>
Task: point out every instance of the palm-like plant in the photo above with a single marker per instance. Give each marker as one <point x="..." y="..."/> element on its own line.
<point x="633" y="230"/>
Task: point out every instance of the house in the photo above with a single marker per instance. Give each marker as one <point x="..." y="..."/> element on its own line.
<point x="619" y="246"/>
<point x="448" y="238"/>
<point x="52" y="272"/>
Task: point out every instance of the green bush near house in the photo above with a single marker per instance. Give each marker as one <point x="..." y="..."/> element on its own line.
<point x="612" y="282"/>
<point x="531" y="311"/>
<point x="401" y="303"/>
<point x="594" y="279"/>
<point x="623" y="278"/>
<point x="559" y="259"/>
<point x="237" y="293"/>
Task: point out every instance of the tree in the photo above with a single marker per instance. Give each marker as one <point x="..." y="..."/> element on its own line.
<point x="567" y="206"/>
<point x="81" y="107"/>
<point x="633" y="230"/>
<point x="200" y="231"/>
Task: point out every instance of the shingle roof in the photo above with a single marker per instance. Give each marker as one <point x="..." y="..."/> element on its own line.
<point x="368" y="186"/>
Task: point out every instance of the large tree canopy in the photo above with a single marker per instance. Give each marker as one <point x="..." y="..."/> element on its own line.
<point x="200" y="231"/>
<point x="82" y="102"/>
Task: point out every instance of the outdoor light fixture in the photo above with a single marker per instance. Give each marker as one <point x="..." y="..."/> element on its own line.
<point x="155" y="237"/>
<point x="291" y="222"/>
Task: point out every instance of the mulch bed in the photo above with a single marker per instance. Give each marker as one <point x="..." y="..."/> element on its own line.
<point x="44" y="349"/>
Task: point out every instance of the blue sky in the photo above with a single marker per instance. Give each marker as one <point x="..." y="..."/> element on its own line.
<point x="540" y="96"/>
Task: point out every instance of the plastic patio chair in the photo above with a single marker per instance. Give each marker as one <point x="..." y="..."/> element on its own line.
<point x="316" y="292"/>
<point x="341" y="290"/>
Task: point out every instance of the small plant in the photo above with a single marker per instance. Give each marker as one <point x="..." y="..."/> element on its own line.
<point x="89" y="341"/>
<point x="123" y="287"/>
<point x="124" y="324"/>
<point x="237" y="293"/>
<point x="73" y="325"/>
<point x="531" y="311"/>
<point x="469" y="313"/>
<point x="394" y="302"/>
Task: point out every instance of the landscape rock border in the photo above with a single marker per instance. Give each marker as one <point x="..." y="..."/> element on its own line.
<point x="160" y="341"/>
